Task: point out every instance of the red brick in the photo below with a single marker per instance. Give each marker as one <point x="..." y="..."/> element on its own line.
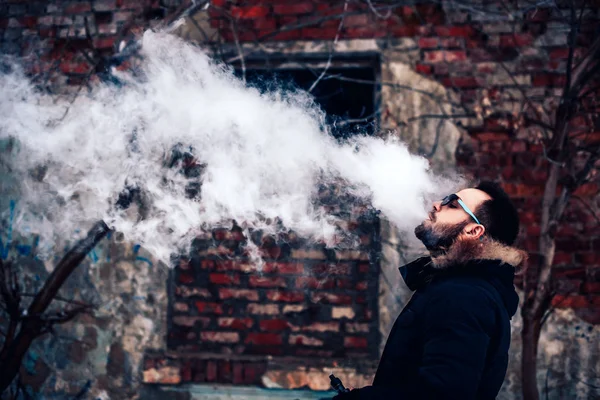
<point x="591" y="287"/>
<point x="445" y="56"/>
<point x="344" y="283"/>
<point x="364" y="285"/>
<point x="289" y="297"/>
<point x="549" y="80"/>
<point x="74" y="68"/>
<point x="104" y="43"/>
<point x="235" y="323"/>
<point x="452" y="42"/>
<point x="318" y="353"/>
<point x="587" y="189"/>
<point x="303" y="340"/>
<point x="364" y="32"/>
<point x="355" y="342"/>
<point x="238" y="373"/>
<point x="424" y="69"/>
<point x="221" y="234"/>
<point x="47" y="32"/>
<point x="405" y="30"/>
<point x="432" y="13"/>
<point x="428" y="42"/>
<point x="130" y="4"/>
<point x="521" y="190"/>
<point x="263" y="281"/>
<point x="78" y="8"/>
<point x="331" y="298"/>
<point x="186" y="278"/>
<point x="287" y="35"/>
<point x="28" y="22"/>
<point x="247" y="294"/>
<point x="455" y="31"/>
<point x="332" y="268"/>
<point x="265" y="24"/>
<point x="273" y="252"/>
<point x="354" y="20"/>
<point x="354" y="327"/>
<point x="319" y="33"/>
<point x="220" y="337"/>
<point x="232" y="265"/>
<point x="207" y="264"/>
<point x="224" y="279"/>
<point x="182" y="307"/>
<point x="588" y="258"/>
<point x="293" y="8"/>
<point x="567" y="286"/>
<point x="577" y="301"/>
<point x="209" y="308"/>
<point x="314" y="283"/>
<point x="321" y="327"/>
<point x="563" y="258"/>
<point x="461" y="82"/>
<point x="363" y="268"/>
<point x="274" y="325"/>
<point x="561" y="53"/>
<point x="283" y="268"/>
<point x="516" y="40"/>
<point x="264" y="339"/>
<point x="191" y="321"/>
<point x="263" y="309"/>
<point x="186" y="291"/>
<point x="568" y="273"/>
<point x="493" y="136"/>
<point x="571" y="245"/>
<point x="518" y="146"/>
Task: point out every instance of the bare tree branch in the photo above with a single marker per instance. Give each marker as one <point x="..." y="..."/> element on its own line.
<point x="337" y="36"/>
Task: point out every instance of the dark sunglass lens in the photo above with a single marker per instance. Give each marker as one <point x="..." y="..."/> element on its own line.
<point x="448" y="199"/>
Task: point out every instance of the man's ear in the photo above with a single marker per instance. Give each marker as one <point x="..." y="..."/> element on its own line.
<point x="474" y="231"/>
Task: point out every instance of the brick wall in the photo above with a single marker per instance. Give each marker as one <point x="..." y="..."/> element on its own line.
<point x="305" y="301"/>
<point x="492" y="65"/>
<point x="65" y="42"/>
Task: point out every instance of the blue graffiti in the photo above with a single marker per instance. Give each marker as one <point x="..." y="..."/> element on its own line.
<point x="136" y="249"/>
<point x="5" y="247"/>
<point x="27" y="250"/>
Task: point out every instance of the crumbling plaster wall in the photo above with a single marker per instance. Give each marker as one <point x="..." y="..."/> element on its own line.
<point x="97" y="355"/>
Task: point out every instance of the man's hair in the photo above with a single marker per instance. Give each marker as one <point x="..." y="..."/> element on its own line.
<point x="499" y="215"/>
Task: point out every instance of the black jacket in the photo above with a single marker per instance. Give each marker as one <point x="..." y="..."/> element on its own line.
<point x="451" y="340"/>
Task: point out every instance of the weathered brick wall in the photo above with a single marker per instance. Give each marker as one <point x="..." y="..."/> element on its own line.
<point x="65" y="42"/>
<point x="494" y="66"/>
<point x="304" y="301"/>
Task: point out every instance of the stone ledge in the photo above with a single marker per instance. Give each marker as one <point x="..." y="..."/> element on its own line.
<point x="170" y="368"/>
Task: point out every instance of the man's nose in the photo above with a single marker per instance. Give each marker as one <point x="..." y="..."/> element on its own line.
<point x="437" y="206"/>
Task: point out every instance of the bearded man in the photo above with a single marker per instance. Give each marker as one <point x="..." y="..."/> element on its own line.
<point x="451" y="340"/>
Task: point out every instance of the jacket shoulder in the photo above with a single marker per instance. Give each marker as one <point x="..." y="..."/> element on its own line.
<point x="463" y="296"/>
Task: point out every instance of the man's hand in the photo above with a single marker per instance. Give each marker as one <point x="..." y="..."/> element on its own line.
<point x="351" y="395"/>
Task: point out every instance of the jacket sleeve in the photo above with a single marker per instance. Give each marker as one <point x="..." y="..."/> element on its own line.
<point x="456" y="323"/>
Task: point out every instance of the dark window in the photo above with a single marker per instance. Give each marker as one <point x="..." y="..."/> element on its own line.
<point x="346" y="94"/>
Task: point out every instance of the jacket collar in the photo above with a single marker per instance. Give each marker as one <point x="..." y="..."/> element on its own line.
<point x="462" y="257"/>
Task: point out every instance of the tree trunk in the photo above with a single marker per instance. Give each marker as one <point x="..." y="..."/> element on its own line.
<point x="530" y="336"/>
<point x="32" y="325"/>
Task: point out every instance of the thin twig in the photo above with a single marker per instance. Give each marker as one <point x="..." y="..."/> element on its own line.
<point x="337" y="36"/>
<point x="239" y="48"/>
<point x="376" y="12"/>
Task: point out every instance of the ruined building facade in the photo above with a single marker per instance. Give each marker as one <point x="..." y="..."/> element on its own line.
<point x="215" y="319"/>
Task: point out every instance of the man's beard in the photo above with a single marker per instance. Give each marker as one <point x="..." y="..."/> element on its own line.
<point x="438" y="238"/>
